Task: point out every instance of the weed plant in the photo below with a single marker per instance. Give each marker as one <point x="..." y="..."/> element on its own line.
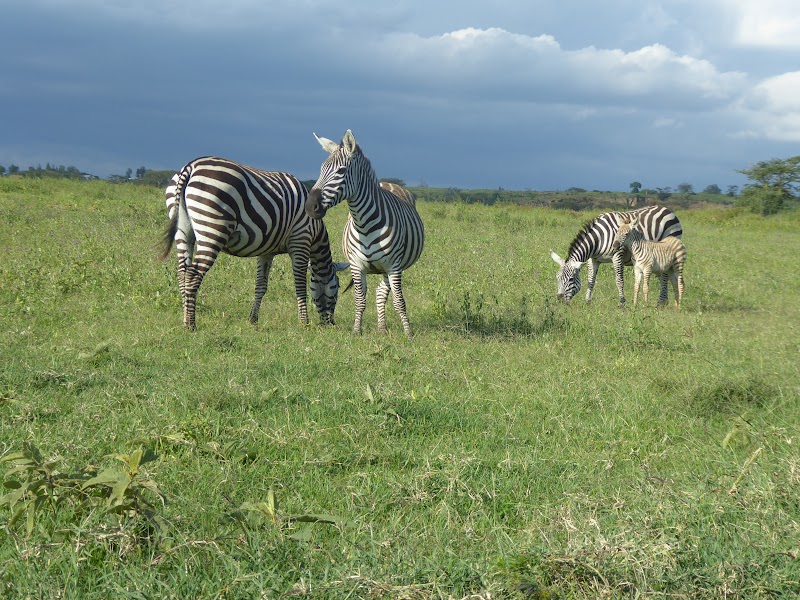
<point x="515" y="448"/>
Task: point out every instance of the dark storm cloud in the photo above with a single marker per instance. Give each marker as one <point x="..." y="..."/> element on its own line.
<point x="534" y="95"/>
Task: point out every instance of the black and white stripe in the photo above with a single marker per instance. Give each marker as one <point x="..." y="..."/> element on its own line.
<point x="384" y="233"/>
<point x="594" y="244"/>
<point x="217" y="205"/>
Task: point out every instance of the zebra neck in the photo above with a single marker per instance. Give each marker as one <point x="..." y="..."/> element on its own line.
<point x="365" y="206"/>
<point x="582" y="249"/>
<point x="637" y="248"/>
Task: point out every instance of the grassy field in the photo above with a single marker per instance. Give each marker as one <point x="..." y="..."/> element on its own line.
<point x="515" y="448"/>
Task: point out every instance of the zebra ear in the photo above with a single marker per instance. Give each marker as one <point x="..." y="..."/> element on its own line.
<point x="328" y="145"/>
<point x="558" y="260"/>
<point x="349" y="142"/>
<point x="341" y="266"/>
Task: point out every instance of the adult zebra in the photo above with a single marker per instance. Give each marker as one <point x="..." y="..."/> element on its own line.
<point x="217" y="205"/>
<point x="384" y="232"/>
<point x="594" y="245"/>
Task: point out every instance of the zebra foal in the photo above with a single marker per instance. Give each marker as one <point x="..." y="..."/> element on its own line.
<point x="594" y="245"/>
<point x="666" y="257"/>
<point x="384" y="233"/>
<point x="217" y="205"/>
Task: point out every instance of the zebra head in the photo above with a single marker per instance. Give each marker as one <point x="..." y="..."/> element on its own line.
<point x="625" y="233"/>
<point x="325" y="291"/>
<point x="335" y="182"/>
<point x="568" y="277"/>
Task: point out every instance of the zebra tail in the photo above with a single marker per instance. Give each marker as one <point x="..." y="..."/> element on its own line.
<point x="172" y="228"/>
<point x="169" y="237"/>
<point x="349" y="285"/>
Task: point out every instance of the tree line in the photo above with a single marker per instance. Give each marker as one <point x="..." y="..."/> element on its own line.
<point x="774" y="185"/>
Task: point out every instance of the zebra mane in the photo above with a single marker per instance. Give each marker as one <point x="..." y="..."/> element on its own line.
<point x="584" y="230"/>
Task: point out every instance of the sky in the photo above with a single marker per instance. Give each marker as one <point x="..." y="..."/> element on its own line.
<point x="518" y="94"/>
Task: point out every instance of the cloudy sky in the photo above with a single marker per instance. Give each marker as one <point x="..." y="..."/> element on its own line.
<point x="520" y="94"/>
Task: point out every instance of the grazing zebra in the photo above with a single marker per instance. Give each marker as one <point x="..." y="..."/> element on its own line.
<point x="593" y="245"/>
<point x="384" y="233"/>
<point x="217" y="205"/>
<point x="666" y="257"/>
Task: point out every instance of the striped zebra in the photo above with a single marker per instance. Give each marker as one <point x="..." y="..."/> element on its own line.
<point x="666" y="258"/>
<point x="594" y="245"/>
<point x="217" y="205"/>
<point x="384" y="233"/>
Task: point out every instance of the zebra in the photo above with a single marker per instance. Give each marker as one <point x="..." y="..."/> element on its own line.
<point x="217" y="205"/>
<point x="666" y="257"/>
<point x="384" y="233"/>
<point x="593" y="245"/>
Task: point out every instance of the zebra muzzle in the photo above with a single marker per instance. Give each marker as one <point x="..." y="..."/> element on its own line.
<point x="314" y="208"/>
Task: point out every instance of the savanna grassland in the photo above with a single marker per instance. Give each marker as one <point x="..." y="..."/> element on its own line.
<point x="515" y="448"/>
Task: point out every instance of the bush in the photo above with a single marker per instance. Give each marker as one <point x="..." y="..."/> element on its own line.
<point x="763" y="200"/>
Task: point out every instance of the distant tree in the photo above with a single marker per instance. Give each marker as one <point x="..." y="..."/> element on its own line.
<point x="140" y="172"/>
<point x="128" y="173"/>
<point x="452" y="194"/>
<point x="664" y="193"/>
<point x="776" y="181"/>
<point x="762" y="200"/>
<point x="779" y="174"/>
<point x="2" y="170"/>
<point x="732" y="191"/>
<point x="12" y="169"/>
<point x="712" y="189"/>
<point x="685" y="188"/>
<point x="575" y="190"/>
<point x="394" y="180"/>
<point x="635" y="187"/>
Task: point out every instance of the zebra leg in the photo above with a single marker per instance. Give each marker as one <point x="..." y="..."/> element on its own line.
<point x="262" y="281"/>
<point x="646" y="277"/>
<point x="300" y="269"/>
<point x="360" y="293"/>
<point x="184" y="245"/>
<point x="193" y="279"/>
<point x="663" y="292"/>
<point x="204" y="258"/>
<point x="677" y="286"/>
<point x="637" y="281"/>
<point x="396" y="283"/>
<point x="617" y="261"/>
<point x="381" y="294"/>
<point x="591" y="273"/>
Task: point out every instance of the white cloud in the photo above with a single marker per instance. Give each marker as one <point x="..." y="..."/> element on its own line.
<point x="767" y="23"/>
<point x="773" y="108"/>
<point x="499" y="64"/>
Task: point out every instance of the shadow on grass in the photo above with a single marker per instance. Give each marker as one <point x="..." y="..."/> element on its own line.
<point x="731" y="395"/>
<point x="473" y="316"/>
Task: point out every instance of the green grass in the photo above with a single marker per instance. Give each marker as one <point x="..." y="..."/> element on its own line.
<point x="514" y="448"/>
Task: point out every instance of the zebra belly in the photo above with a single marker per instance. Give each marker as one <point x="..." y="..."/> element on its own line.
<point x="244" y="243"/>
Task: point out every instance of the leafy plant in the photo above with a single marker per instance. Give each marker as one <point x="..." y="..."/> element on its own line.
<point x="36" y="483"/>
<point x="268" y="509"/>
<point x="124" y="490"/>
